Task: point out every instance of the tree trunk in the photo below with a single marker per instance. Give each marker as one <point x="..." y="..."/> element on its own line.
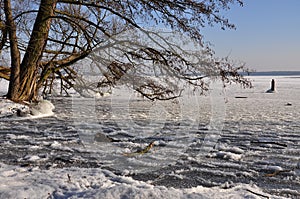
<point x="29" y="66"/>
<point x="14" y="52"/>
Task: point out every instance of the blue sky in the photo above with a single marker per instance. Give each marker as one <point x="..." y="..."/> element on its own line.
<point x="267" y="37"/>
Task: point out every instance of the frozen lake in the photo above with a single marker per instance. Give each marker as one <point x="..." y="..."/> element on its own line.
<point x="223" y="139"/>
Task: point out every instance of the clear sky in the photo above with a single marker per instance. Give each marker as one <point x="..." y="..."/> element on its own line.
<point x="267" y="37"/>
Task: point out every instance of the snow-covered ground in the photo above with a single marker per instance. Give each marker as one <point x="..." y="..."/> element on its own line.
<point x="97" y="183"/>
<point x="233" y="144"/>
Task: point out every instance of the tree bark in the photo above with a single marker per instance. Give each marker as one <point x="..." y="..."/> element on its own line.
<point x="14" y="52"/>
<point x="29" y="67"/>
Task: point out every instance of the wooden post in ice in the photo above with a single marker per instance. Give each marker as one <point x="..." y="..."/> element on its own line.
<point x="273" y="85"/>
<point x="272" y="89"/>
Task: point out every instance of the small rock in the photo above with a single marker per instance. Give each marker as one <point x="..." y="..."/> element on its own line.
<point x="99" y="137"/>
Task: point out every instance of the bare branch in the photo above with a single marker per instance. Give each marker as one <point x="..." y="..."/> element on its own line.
<point x="4" y="72"/>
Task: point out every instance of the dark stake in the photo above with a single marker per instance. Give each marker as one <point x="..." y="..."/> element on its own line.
<point x="272" y="89"/>
<point x="273" y="85"/>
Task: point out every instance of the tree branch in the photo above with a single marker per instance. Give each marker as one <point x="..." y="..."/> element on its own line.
<point x="4" y="72"/>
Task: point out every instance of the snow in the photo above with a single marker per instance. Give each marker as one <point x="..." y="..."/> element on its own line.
<point x="3" y="87"/>
<point x="226" y="155"/>
<point x="41" y="109"/>
<point x="53" y="153"/>
<point x="8" y="108"/>
<point x="97" y="183"/>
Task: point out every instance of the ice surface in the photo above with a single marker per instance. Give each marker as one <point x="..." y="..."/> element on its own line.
<point x="259" y="135"/>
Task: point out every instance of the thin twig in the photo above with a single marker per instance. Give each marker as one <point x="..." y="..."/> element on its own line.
<point x="258" y="194"/>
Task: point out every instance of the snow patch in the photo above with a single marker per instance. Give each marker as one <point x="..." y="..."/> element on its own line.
<point x="10" y="109"/>
<point x="273" y="168"/>
<point x="232" y="149"/>
<point x="225" y="155"/>
<point x="42" y="108"/>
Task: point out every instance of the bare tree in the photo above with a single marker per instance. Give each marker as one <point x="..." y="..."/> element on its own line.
<point x="47" y="37"/>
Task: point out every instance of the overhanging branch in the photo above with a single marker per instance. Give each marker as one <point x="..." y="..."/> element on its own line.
<point x="4" y="72"/>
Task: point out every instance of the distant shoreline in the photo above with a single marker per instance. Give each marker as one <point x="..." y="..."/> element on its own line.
<point x="273" y="73"/>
